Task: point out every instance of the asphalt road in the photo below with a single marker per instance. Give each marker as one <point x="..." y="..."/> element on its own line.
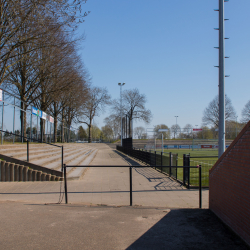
<point x="53" y="226"/>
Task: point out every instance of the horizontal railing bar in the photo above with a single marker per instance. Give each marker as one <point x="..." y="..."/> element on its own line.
<point x="203" y="156"/>
<point x="127" y="166"/>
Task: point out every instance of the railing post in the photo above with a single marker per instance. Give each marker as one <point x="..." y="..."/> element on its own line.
<point x="155" y="159"/>
<point x="65" y="184"/>
<point x="62" y="158"/>
<point x="161" y="161"/>
<point x="130" y="180"/>
<point x="170" y="163"/>
<point x="200" y="187"/>
<point x="27" y="150"/>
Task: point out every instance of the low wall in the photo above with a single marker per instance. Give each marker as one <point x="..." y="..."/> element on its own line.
<point x="229" y="186"/>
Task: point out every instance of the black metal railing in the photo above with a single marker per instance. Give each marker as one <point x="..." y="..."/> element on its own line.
<point x="130" y="178"/>
<point x="39" y="141"/>
<point x="165" y="162"/>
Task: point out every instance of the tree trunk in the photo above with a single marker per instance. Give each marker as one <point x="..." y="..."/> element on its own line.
<point x="55" y="129"/>
<point x="90" y="133"/>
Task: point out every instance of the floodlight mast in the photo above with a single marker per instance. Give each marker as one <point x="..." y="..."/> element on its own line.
<point x="221" y="80"/>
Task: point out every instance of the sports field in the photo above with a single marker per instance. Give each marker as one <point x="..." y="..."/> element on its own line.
<point x="206" y="163"/>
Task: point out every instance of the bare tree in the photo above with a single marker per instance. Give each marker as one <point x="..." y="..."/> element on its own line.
<point x="32" y="17"/>
<point x="246" y="113"/>
<point x="188" y="131"/>
<point x="175" y="129"/>
<point x="97" y="101"/>
<point x="166" y="135"/>
<point x="139" y="131"/>
<point x="114" y="122"/>
<point x="133" y="107"/>
<point x="211" y="113"/>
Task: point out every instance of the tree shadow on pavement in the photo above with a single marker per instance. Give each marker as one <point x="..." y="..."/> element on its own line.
<point x="189" y="229"/>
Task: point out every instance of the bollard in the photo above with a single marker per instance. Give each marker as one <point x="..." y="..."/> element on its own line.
<point x="16" y="172"/>
<point x="48" y="176"/>
<point x="30" y="174"/>
<point x="43" y="177"/>
<point x="3" y="170"/>
<point x="11" y="168"/>
<point x="7" y="171"/>
<point x="53" y="178"/>
<point x="21" y="172"/>
<point x="39" y="175"/>
<point x="25" y="172"/>
<point x="34" y="175"/>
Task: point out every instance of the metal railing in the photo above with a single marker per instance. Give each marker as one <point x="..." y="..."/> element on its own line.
<point x="39" y="141"/>
<point x="130" y="178"/>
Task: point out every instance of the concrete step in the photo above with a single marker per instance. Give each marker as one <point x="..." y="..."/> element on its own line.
<point x="77" y="173"/>
<point x="68" y="159"/>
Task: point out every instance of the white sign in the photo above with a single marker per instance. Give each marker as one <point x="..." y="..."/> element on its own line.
<point x="1" y="95"/>
<point x="44" y="115"/>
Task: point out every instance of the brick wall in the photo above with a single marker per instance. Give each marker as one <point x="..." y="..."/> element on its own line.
<point x="229" y="186"/>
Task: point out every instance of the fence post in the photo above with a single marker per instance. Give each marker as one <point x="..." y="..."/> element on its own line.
<point x="200" y="187"/>
<point x="62" y="158"/>
<point x="184" y="164"/>
<point x="27" y="150"/>
<point x="65" y="184"/>
<point x="155" y="159"/>
<point x="130" y="184"/>
<point x="170" y="163"/>
<point x="2" y="118"/>
<point x="188" y="170"/>
<point x="161" y="161"/>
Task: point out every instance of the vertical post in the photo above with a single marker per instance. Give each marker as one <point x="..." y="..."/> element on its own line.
<point x="130" y="181"/>
<point x="37" y="129"/>
<point x="170" y="163"/>
<point x="14" y="119"/>
<point x="50" y="132"/>
<point x="200" y="187"/>
<point x="22" y="112"/>
<point x="221" y="80"/>
<point x="62" y="158"/>
<point x="162" y="142"/>
<point x="31" y="127"/>
<point x="155" y="160"/>
<point x="2" y="119"/>
<point x="27" y="150"/>
<point x="65" y="184"/>
<point x="161" y="161"/>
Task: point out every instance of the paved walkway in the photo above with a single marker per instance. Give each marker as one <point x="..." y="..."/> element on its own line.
<point x="109" y="186"/>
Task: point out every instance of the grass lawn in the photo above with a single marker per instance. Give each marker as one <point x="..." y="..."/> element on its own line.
<point x="206" y="163"/>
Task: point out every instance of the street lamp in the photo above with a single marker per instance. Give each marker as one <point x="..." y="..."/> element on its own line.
<point x="121" y="84"/>
<point x="175" y="126"/>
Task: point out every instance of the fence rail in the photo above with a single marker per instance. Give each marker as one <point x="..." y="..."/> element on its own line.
<point x="130" y="178"/>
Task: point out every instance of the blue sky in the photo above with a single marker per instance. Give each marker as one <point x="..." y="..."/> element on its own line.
<point x="165" y="49"/>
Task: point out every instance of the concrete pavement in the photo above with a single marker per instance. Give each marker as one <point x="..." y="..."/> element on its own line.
<point x="109" y="186"/>
<point x="98" y="216"/>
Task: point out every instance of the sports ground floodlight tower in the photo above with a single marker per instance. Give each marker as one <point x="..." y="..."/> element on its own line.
<point x="222" y="76"/>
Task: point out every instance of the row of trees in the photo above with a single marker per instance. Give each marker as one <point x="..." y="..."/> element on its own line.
<point x="39" y="61"/>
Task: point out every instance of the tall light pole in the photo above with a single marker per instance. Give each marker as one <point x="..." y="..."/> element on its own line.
<point x="221" y="142"/>
<point x="121" y="84"/>
<point x="175" y="126"/>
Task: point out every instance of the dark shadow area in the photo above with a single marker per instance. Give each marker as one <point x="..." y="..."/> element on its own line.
<point x="192" y="229"/>
<point x="164" y="182"/>
<point x="127" y="159"/>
